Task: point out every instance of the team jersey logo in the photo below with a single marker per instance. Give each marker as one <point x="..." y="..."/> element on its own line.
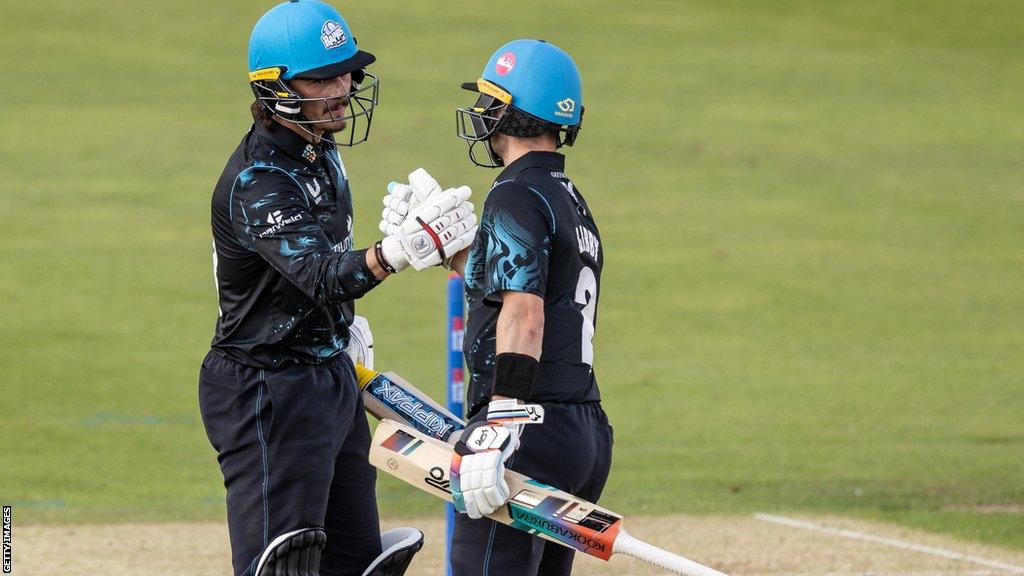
<point x="314" y="190"/>
<point x="332" y="35"/>
<point x="505" y="64"/>
<point x="309" y="153"/>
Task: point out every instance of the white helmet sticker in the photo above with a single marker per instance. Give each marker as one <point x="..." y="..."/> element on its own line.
<point x="332" y="34"/>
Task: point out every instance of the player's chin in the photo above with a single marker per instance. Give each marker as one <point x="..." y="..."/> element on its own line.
<point x="334" y="126"/>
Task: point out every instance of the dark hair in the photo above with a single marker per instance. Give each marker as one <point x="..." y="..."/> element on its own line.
<point x="262" y="115"/>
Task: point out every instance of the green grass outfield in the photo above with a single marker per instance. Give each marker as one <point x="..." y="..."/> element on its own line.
<point x="813" y="215"/>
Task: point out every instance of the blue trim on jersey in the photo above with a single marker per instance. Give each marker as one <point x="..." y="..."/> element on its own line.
<point x="265" y="168"/>
<point x="554" y="223"/>
<point x="499" y="183"/>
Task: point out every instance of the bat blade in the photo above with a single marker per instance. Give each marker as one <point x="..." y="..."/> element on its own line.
<point x="533" y="507"/>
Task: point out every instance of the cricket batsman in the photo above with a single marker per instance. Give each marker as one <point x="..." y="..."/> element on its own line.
<point x="277" y="390"/>
<point x="533" y="276"/>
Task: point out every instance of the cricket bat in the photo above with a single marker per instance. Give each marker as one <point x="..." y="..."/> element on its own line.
<point x="423" y="460"/>
<point x="389" y="396"/>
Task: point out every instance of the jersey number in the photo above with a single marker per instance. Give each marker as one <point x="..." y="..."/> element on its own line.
<point x="586" y="295"/>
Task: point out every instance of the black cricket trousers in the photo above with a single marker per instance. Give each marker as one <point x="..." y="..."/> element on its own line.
<point x="292" y="445"/>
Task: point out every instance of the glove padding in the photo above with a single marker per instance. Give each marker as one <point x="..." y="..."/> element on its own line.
<point x="478" y="464"/>
<point x="404" y="197"/>
<point x="360" y="343"/>
<point x="437" y="229"/>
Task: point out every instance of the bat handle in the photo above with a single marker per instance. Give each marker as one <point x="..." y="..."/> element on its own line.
<point x="630" y="546"/>
<point x="364" y="375"/>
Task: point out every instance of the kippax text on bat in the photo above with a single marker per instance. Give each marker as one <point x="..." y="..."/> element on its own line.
<point x="426" y="419"/>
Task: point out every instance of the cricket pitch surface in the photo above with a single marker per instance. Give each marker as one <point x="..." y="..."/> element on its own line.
<point x="738" y="545"/>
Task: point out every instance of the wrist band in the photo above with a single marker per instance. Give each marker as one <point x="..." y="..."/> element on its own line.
<point x="514" y="375"/>
<point x="378" y="251"/>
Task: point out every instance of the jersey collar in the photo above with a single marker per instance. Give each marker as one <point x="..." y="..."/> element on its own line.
<point x="293" y="145"/>
<point x="551" y="161"/>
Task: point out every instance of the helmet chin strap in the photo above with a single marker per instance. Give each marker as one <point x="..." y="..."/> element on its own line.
<point x="301" y="121"/>
<point x="316" y="137"/>
<point x="297" y="126"/>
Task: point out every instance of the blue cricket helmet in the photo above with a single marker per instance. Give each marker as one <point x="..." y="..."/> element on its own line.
<point x="308" y="39"/>
<point x="527" y="87"/>
<point x="542" y="79"/>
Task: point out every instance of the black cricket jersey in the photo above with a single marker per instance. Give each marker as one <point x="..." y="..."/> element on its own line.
<point x="536" y="235"/>
<point x="285" y="269"/>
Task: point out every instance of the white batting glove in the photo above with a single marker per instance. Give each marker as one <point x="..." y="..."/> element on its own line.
<point x="360" y="343"/>
<point x="401" y="198"/>
<point x="478" y="464"/>
<point x="437" y="229"/>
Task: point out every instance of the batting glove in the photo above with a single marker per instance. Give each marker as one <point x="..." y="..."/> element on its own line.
<point x="404" y="197"/>
<point x="437" y="229"/>
<point x="478" y="464"/>
<point x="360" y="342"/>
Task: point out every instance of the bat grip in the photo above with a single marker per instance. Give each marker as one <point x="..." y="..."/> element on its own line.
<point x="630" y="546"/>
<point x="364" y="375"/>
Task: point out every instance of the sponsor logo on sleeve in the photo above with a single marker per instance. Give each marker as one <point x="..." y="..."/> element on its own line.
<point x="277" y="221"/>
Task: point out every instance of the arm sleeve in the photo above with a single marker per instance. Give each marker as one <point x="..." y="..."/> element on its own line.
<point x="271" y="215"/>
<point x="517" y="228"/>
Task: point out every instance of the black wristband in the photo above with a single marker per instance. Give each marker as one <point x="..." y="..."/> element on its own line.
<point x="378" y="251"/>
<point x="514" y="375"/>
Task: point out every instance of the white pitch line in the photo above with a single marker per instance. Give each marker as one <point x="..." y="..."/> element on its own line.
<point x="854" y="535"/>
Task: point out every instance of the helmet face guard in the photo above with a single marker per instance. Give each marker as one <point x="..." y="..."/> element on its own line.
<point x="480" y="122"/>
<point x="476" y="125"/>
<point x="279" y="99"/>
